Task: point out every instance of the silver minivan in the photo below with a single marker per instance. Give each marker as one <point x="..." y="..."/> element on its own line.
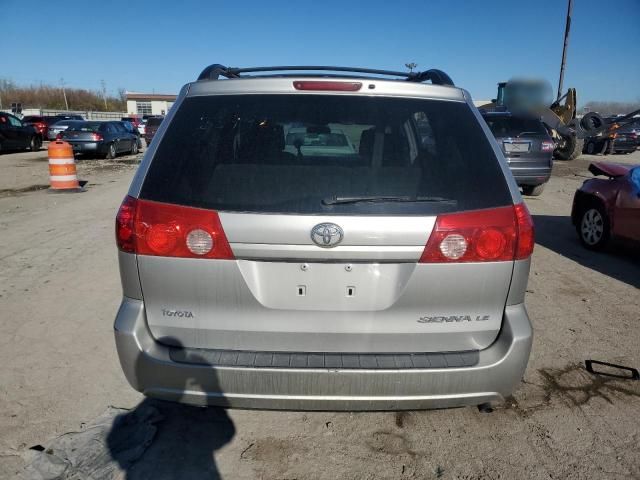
<point x="324" y="238"/>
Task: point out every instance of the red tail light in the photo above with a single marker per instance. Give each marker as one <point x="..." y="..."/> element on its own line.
<point x="327" y="86"/>
<point x="96" y="137"/>
<point x="59" y="136"/>
<point x="547" y="146"/>
<point x="526" y="232"/>
<point x="494" y="235"/>
<point x="165" y="230"/>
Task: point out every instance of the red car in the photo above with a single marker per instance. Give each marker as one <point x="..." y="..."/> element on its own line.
<point x="608" y="207"/>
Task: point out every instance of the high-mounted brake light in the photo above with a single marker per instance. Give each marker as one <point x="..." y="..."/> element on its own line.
<point x="327" y="85"/>
<point x="160" y="229"/>
<point x="493" y="235"/>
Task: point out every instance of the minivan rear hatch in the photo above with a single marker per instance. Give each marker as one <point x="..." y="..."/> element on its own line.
<point x="321" y="206"/>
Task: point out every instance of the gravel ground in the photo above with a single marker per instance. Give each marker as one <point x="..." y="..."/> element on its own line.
<point x="59" y="291"/>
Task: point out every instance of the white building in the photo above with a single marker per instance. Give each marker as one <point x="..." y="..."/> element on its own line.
<point x="149" y="103"/>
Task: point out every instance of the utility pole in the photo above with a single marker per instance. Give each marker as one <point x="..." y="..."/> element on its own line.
<point x="104" y="93"/>
<point x="64" y="94"/>
<point x="567" y="28"/>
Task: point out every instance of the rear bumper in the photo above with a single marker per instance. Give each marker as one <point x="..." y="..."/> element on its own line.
<point x="533" y="176"/>
<point x="624" y="147"/>
<point x="149" y="369"/>
<point x="85" y="146"/>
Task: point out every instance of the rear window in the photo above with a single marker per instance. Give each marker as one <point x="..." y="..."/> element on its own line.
<point x="514" y="126"/>
<point x="84" y="127"/>
<point x="154" y="122"/>
<point x="296" y="153"/>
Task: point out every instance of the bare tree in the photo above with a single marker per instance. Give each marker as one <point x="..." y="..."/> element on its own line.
<point x="611" y="108"/>
<point x="411" y="66"/>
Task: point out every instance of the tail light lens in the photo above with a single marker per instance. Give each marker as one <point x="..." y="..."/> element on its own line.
<point x="59" y="136"/>
<point x="165" y="230"/>
<point x="526" y="232"/>
<point x="547" y="146"/>
<point x="494" y="235"/>
<point x="96" y="137"/>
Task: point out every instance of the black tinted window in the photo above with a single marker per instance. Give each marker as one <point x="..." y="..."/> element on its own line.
<point x="508" y="126"/>
<point x="84" y="127"/>
<point x="277" y="153"/>
<point x="154" y="122"/>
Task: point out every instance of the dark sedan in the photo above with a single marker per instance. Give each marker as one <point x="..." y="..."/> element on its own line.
<point x="526" y="145"/>
<point x="620" y="141"/>
<point x="16" y="135"/>
<point x="106" y="139"/>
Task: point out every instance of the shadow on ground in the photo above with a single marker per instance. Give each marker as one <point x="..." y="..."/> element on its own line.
<point x="184" y="444"/>
<point x="186" y="439"/>
<point x="155" y="440"/>
<point x="619" y="261"/>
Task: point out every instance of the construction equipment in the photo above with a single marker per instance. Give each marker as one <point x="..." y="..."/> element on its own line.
<point x="533" y="97"/>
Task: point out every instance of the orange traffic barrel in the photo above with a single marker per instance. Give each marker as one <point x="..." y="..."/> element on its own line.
<point x="62" y="168"/>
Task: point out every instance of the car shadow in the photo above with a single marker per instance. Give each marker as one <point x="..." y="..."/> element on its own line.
<point x="184" y="443"/>
<point x="619" y="260"/>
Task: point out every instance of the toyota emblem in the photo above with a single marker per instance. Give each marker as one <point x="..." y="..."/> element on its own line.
<point x="326" y="235"/>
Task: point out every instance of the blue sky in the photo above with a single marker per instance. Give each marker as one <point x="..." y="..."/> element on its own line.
<point x="160" y="45"/>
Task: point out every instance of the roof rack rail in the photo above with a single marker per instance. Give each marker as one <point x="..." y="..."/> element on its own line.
<point x="215" y="71"/>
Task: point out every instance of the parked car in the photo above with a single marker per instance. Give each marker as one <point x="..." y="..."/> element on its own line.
<point x="318" y="141"/>
<point x="61" y="116"/>
<point x="153" y="123"/>
<point x="142" y="126"/>
<point x="16" y="135"/>
<point x="100" y="138"/>
<point x="132" y="130"/>
<point x="138" y="122"/>
<point x="393" y="279"/>
<point x="39" y="123"/>
<point x="635" y="129"/>
<point x="60" y="126"/>
<point x="133" y="119"/>
<point x="622" y="140"/>
<point x="526" y="145"/>
<point x="608" y="207"/>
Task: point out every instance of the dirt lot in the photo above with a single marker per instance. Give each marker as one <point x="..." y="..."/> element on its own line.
<point x="59" y="291"/>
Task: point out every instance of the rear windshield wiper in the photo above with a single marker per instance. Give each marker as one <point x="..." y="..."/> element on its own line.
<point x="383" y="199"/>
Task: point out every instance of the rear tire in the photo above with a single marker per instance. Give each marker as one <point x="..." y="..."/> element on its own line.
<point x="134" y="147"/>
<point x="569" y="149"/>
<point x="593" y="226"/>
<point x="533" y="190"/>
<point x="111" y="152"/>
